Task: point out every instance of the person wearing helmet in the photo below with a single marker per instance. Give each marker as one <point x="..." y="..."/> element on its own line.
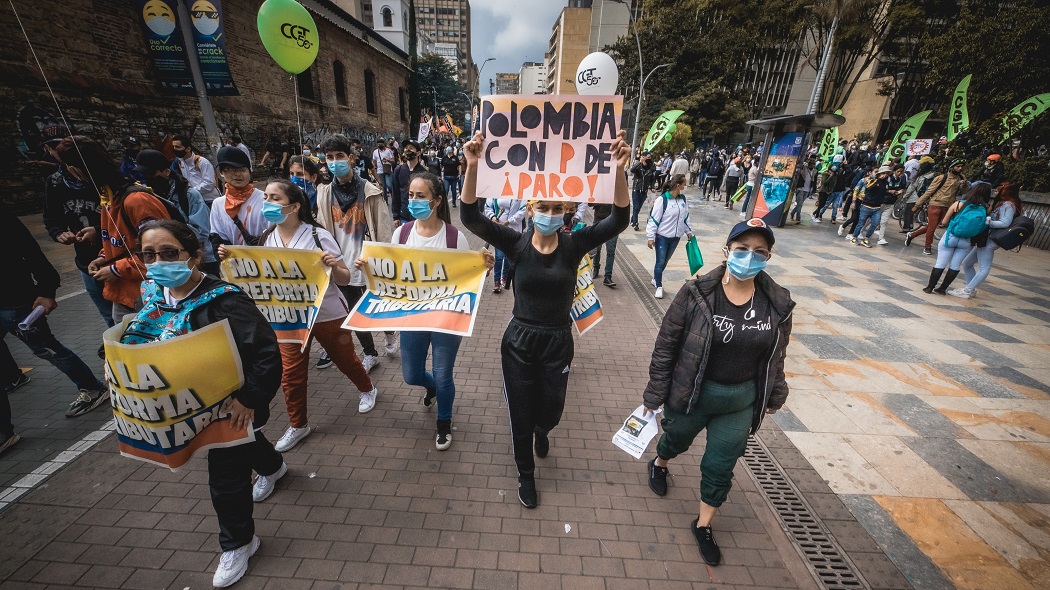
<point x="992" y="172"/>
<point x="940" y="196"/>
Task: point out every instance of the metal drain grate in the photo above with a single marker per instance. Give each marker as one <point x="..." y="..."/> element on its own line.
<point x="828" y="562"/>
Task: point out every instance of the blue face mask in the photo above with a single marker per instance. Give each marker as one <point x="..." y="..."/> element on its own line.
<point x="306" y="185"/>
<point x="169" y="274"/>
<point x="69" y="180"/>
<point x="744" y="265"/>
<point x="548" y="224"/>
<point x="273" y="212"/>
<point x="339" y="168"/>
<point x="419" y="208"/>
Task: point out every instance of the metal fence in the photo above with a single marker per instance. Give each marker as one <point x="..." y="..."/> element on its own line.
<point x="1037" y="206"/>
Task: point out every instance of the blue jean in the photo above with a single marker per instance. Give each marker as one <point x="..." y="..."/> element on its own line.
<point x="834" y="202"/>
<point x="499" y="271"/>
<point x="982" y="257"/>
<point x="94" y="291"/>
<point x="610" y="256"/>
<point x="638" y="199"/>
<point x="665" y="247"/>
<point x="951" y="251"/>
<point x="44" y="345"/>
<point x="874" y="215"/>
<point x="388" y="184"/>
<point x="800" y="198"/>
<point x="748" y="189"/>
<point x="452" y="188"/>
<point x="414" y="347"/>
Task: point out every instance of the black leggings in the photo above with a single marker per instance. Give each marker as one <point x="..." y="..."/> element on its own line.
<point x="536" y="361"/>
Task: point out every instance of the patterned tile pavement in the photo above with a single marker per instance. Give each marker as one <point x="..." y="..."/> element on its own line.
<point x="927" y="416"/>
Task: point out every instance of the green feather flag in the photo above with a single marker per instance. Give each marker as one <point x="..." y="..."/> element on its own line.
<point x="959" y="120"/>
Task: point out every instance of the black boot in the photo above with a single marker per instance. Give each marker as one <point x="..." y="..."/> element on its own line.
<point x="948" y="278"/>
<point x="934" y="277"/>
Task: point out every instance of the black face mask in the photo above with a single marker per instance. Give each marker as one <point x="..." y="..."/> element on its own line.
<point x="179" y="153"/>
<point x="159" y="185"/>
<point x="410" y="155"/>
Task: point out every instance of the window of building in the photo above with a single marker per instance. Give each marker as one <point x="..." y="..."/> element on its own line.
<point x="388" y="16"/>
<point x="305" y="84"/>
<point x="401" y="103"/>
<point x="339" y="79"/>
<point x="370" y="92"/>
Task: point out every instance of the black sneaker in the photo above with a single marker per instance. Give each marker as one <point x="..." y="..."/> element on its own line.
<point x="594" y="272"/>
<point x="88" y="400"/>
<point x="7" y="441"/>
<point x="657" y="478"/>
<point x="927" y="251"/>
<point x="709" y="550"/>
<point x="908" y="239"/>
<point x="444" y="435"/>
<point x="324" y="362"/>
<point x="608" y="282"/>
<point x="527" y="493"/>
<point x="428" y="399"/>
<point x="22" y="379"/>
<point x="542" y="444"/>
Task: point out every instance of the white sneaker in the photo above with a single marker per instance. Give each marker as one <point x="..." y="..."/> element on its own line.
<point x="882" y="242"/>
<point x="841" y="229"/>
<point x="264" y="485"/>
<point x="849" y="237"/>
<point x="291" y="437"/>
<point x="368" y="401"/>
<point x="659" y="292"/>
<point x="369" y="362"/>
<point x="961" y="293"/>
<point x="391" y="344"/>
<point x="233" y="564"/>
<point x="653" y="282"/>
<point x="815" y="219"/>
<point x="744" y="214"/>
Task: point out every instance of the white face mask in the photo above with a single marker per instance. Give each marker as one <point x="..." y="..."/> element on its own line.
<point x="161" y="26"/>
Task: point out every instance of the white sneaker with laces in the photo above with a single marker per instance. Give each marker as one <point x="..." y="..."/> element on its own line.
<point x="653" y="282"/>
<point x="368" y="401"/>
<point x="233" y="564"/>
<point x="842" y="228"/>
<point x="743" y="214"/>
<point x="291" y="437"/>
<point x="883" y="242"/>
<point x="659" y="293"/>
<point x="391" y="344"/>
<point x="369" y="362"/>
<point x="264" y="484"/>
<point x="961" y="293"/>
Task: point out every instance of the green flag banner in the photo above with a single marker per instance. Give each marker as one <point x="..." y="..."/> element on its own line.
<point x="959" y="121"/>
<point x="660" y="127"/>
<point x="1023" y="114"/>
<point x="909" y="130"/>
<point x="827" y="146"/>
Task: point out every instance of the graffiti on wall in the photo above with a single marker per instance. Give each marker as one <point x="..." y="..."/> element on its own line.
<point x="35" y="126"/>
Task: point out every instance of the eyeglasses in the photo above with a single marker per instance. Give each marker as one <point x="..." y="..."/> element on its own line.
<point x="760" y="253"/>
<point x="167" y="255"/>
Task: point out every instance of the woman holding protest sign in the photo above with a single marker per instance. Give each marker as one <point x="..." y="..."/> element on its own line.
<point x="177" y="299"/>
<point x="537" y="346"/>
<point x="432" y="228"/>
<point x="288" y="208"/>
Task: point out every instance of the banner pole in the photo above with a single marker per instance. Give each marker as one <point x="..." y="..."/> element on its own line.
<point x="211" y="130"/>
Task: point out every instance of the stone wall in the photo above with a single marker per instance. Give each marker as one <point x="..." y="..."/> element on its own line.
<point x="94" y="55"/>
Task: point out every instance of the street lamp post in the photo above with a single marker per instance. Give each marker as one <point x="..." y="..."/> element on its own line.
<point x="475" y="91"/>
<point x="641" y="97"/>
<point x="641" y="81"/>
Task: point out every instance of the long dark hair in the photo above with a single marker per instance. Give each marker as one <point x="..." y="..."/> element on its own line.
<point x="437" y="188"/>
<point x="90" y="158"/>
<point x="978" y="195"/>
<point x="1009" y="192"/>
<point x="672" y="182"/>
<point x="295" y="195"/>
<point x="308" y="165"/>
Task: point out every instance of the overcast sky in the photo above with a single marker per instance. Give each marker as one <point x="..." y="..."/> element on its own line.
<point x="512" y="31"/>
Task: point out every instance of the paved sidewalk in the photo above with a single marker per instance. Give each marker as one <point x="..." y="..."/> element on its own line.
<point x="927" y="416"/>
<point x="369" y="502"/>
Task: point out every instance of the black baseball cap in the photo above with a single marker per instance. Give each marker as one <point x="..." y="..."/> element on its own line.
<point x="130" y="141"/>
<point x="233" y="157"/>
<point x="752" y="225"/>
<point x="151" y="161"/>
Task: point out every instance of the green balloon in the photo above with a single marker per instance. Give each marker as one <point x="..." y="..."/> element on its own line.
<point x="671" y="128"/>
<point x="668" y="137"/>
<point x="289" y="34"/>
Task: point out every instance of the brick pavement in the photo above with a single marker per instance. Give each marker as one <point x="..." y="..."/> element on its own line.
<point x="369" y="502"/>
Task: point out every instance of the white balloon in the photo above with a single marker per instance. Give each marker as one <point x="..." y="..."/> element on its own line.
<point x="597" y="74"/>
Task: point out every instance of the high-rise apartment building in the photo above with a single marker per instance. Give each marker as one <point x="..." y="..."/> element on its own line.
<point x="506" y="83"/>
<point x="447" y="21"/>
<point x="569" y="44"/>
<point x="532" y="78"/>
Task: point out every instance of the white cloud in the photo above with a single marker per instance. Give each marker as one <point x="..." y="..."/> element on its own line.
<point x="511" y="31"/>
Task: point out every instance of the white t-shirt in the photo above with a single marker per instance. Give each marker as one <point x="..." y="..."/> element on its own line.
<point x="250" y="215"/>
<point x="333" y="306"/>
<point x="435" y="241"/>
<point x="911" y="168"/>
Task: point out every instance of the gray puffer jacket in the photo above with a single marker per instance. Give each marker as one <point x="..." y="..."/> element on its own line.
<point x="684" y="342"/>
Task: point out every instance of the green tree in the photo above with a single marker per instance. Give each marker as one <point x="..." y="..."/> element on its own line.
<point x="436" y="82"/>
<point x="681" y="140"/>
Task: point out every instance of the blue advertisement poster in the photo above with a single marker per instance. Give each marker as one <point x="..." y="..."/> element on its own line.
<point x="211" y="47"/>
<point x="778" y="170"/>
<point x="164" y="40"/>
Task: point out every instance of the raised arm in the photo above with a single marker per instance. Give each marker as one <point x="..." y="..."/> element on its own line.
<point x="500" y="236"/>
<point x="599" y="233"/>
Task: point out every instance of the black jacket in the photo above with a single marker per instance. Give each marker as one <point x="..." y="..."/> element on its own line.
<point x="684" y="342"/>
<point x="67" y="209"/>
<point x="29" y="274"/>
<point x="642" y="175"/>
<point x="256" y="344"/>
<point x="399" y="196"/>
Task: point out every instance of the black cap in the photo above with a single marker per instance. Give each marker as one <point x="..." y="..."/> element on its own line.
<point x="756" y="225"/>
<point x="233" y="157"/>
<point x="150" y="161"/>
<point x="130" y="141"/>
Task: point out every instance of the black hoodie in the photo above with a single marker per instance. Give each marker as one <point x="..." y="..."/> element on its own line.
<point x="30" y="274"/>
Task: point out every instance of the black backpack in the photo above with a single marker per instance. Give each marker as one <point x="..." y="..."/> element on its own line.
<point x="174" y="212"/>
<point x="1012" y="237"/>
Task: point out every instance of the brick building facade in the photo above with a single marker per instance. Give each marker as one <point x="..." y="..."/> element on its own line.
<point x="95" y="57"/>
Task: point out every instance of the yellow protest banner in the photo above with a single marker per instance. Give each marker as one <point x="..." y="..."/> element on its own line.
<point x="586" y="310"/>
<point x="549" y="147"/>
<point x="168" y="395"/>
<point x="429" y="289"/>
<point x="286" y="284"/>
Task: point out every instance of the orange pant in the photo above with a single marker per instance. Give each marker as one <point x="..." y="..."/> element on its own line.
<point x="339" y="345"/>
